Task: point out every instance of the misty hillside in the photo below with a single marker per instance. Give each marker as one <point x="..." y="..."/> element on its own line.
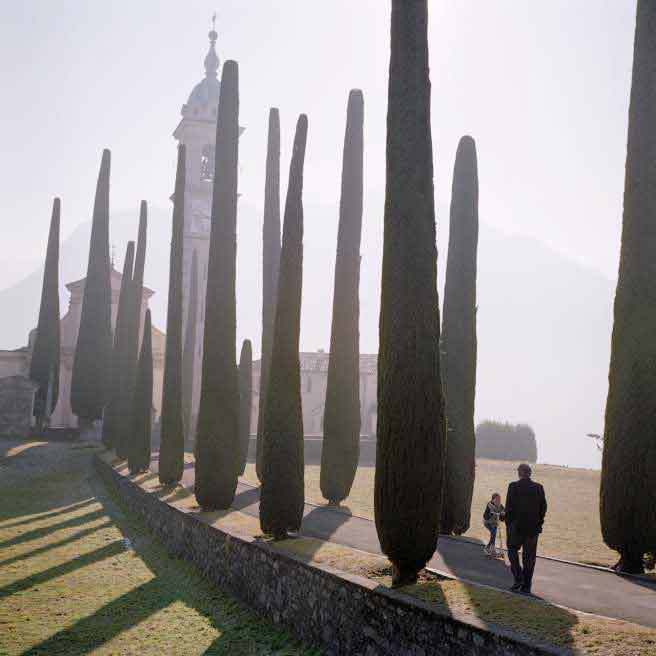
<point x="543" y="321"/>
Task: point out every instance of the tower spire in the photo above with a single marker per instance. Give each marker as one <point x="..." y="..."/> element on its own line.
<point x="212" y="59"/>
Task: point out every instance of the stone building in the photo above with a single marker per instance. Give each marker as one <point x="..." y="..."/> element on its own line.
<point x="314" y="377"/>
<point x="17" y="362"/>
<point x="197" y="131"/>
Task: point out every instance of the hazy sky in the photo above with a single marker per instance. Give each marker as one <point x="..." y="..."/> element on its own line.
<point x="543" y="88"/>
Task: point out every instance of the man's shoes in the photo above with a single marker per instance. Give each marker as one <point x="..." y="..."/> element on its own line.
<point x="525" y="591"/>
<point x="516" y="587"/>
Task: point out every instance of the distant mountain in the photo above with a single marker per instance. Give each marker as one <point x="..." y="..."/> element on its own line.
<point x="543" y="320"/>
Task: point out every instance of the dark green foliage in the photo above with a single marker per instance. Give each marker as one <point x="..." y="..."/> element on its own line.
<point x="139" y="446"/>
<point x="44" y="366"/>
<point x="217" y="441"/>
<point x="189" y="353"/>
<point x="245" y="400"/>
<point x="628" y="475"/>
<point x="459" y="342"/>
<point x="341" y="434"/>
<point x="411" y="425"/>
<point x="282" y="496"/>
<point x="270" y="265"/>
<point x="503" y="441"/>
<point x="130" y="346"/>
<point x="110" y="417"/>
<point x="91" y="364"/>
<point x="171" y="450"/>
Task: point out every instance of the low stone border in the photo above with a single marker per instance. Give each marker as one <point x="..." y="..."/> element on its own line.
<point x="343" y="613"/>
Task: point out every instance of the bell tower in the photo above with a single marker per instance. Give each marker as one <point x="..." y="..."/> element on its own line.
<point x="197" y="131"/>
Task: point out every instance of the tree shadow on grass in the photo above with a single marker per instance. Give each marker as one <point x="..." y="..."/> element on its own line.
<point x="111" y="549"/>
<point x="241" y="631"/>
<point x="48" y="515"/>
<point x="55" y="545"/>
<point x="489" y="600"/>
<point x="38" y="533"/>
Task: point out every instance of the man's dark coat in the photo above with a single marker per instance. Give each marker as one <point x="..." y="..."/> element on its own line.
<point x="526" y="507"/>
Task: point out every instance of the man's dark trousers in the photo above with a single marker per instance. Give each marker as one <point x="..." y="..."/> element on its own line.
<point x="523" y="575"/>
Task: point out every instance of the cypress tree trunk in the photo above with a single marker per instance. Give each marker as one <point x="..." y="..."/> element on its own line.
<point x="171" y="451"/>
<point x="245" y="400"/>
<point x="411" y="427"/>
<point x="628" y="475"/>
<point x="139" y="453"/>
<point x="91" y="363"/>
<point x="282" y="496"/>
<point x="44" y="366"/>
<point x="271" y="264"/>
<point x="116" y="371"/>
<point x="131" y="345"/>
<point x="459" y="342"/>
<point x="341" y="435"/>
<point x="217" y="444"/>
<point x="189" y="354"/>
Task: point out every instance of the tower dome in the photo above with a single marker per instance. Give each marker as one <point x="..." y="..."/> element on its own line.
<point x="204" y="97"/>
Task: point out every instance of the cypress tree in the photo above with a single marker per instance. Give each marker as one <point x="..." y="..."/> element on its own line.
<point x="459" y="342"/>
<point x="628" y="474"/>
<point x="411" y="427"/>
<point x="283" y="496"/>
<point x="217" y="443"/>
<point x="341" y="435"/>
<point x="130" y="346"/>
<point x="189" y="353"/>
<point x="139" y="447"/>
<point x="171" y="451"/>
<point x="90" y="376"/>
<point x="44" y="366"/>
<point x="110" y="417"/>
<point x="245" y="400"/>
<point x="271" y="264"/>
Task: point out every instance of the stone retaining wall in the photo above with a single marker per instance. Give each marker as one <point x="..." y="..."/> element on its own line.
<point x="343" y="613"/>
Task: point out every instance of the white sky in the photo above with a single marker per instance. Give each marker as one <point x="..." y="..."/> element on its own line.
<point x="543" y="88"/>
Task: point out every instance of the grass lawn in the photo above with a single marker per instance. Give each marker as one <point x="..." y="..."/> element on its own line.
<point x="80" y="576"/>
<point x="571" y="530"/>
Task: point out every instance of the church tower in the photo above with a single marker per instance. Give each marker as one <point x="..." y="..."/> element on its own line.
<point x="197" y="131"/>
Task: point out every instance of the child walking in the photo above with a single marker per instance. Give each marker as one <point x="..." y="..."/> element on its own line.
<point x="494" y="513"/>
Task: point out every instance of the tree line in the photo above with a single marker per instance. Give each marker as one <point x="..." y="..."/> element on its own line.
<point x="426" y="446"/>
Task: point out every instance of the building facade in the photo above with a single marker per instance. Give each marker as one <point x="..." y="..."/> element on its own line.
<point x="314" y="378"/>
<point x="17" y="362"/>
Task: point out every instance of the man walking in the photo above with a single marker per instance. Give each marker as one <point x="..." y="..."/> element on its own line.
<point x="526" y="507"/>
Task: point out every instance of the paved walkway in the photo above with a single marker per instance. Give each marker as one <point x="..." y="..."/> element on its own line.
<point x="573" y="586"/>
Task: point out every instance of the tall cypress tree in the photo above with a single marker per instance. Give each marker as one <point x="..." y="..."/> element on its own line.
<point x="459" y="341"/>
<point x="110" y="417"/>
<point x="217" y="443"/>
<point x="189" y="353"/>
<point x="245" y="400"/>
<point x="171" y="451"/>
<point x="271" y="265"/>
<point x="283" y="496"/>
<point x="130" y="346"/>
<point x="91" y="363"/>
<point x="411" y="427"/>
<point x="44" y="366"/>
<point x="628" y="474"/>
<point x="139" y="447"/>
<point x="341" y="434"/>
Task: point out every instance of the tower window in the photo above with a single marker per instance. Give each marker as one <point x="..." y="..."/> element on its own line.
<point x="207" y="163"/>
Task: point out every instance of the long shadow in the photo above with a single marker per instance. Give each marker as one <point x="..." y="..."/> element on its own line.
<point x="46" y="530"/>
<point x="41" y="550"/>
<point x="48" y="515"/>
<point x="169" y="585"/>
<point x="65" y="568"/>
<point x="519" y="613"/>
